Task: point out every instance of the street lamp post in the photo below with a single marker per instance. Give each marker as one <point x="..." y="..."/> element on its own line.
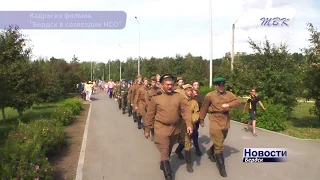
<point x="211" y="46"/>
<point x="139" y="46"/>
<point x="91" y="69"/>
<point x="232" y="50"/>
<point x="120" y="61"/>
<point x="109" y="69"/>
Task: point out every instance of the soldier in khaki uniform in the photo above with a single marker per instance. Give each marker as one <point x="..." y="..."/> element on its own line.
<point x="179" y="87"/>
<point x="129" y="100"/>
<point x="186" y="138"/>
<point x="117" y="94"/>
<point x="139" y="102"/>
<point x="133" y="93"/>
<point x="199" y="98"/>
<point x="153" y="91"/>
<point x="217" y="104"/>
<point x="164" y="112"/>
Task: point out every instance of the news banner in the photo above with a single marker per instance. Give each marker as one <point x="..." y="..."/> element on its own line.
<point x="261" y="155"/>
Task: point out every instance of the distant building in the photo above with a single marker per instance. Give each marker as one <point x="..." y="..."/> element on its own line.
<point x="228" y="54"/>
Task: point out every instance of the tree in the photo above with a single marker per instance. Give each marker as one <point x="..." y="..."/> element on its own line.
<point x="274" y="73"/>
<point x="17" y="90"/>
<point x="312" y="69"/>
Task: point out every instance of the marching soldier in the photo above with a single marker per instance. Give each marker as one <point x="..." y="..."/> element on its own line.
<point x="133" y="93"/>
<point x="179" y="87"/>
<point x="139" y="102"/>
<point x="129" y="100"/>
<point x="153" y="91"/>
<point x="158" y="80"/>
<point x="199" y="98"/>
<point x="124" y="94"/>
<point x="117" y="95"/>
<point x="186" y="138"/>
<point x="164" y="112"/>
<point x="217" y="104"/>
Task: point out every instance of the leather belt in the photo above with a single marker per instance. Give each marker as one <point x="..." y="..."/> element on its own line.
<point x="219" y="112"/>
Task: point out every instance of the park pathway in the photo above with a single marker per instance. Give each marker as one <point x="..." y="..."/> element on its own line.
<point x="117" y="150"/>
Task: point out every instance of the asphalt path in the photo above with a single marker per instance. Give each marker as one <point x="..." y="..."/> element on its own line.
<point x="114" y="149"/>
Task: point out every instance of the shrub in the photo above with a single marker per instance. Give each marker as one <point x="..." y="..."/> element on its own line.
<point x="237" y="115"/>
<point x="49" y="134"/>
<point x="272" y="119"/>
<point x="206" y="89"/>
<point x="23" y="155"/>
<point x="74" y="104"/>
<point x="63" y="115"/>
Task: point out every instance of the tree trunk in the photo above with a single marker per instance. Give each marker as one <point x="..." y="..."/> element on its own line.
<point x="3" y="114"/>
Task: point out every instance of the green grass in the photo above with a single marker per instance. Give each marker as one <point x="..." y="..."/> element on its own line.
<point x="12" y="116"/>
<point x="302" y="124"/>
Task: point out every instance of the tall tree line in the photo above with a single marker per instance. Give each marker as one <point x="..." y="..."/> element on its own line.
<point x="280" y="77"/>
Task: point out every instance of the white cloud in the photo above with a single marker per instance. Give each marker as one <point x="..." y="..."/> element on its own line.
<point x="157" y="39"/>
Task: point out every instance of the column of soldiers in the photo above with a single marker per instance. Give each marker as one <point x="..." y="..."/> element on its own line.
<point x="169" y="114"/>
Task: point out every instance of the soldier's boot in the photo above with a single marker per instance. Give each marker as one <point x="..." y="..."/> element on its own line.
<point x="123" y="111"/>
<point x="166" y="168"/>
<point x="139" y="118"/>
<point x="178" y="151"/>
<point x="134" y="115"/>
<point x="220" y="164"/>
<point x="188" y="161"/>
<point x="210" y="154"/>
<point x="152" y="134"/>
<point x="129" y="113"/>
<point x="119" y="105"/>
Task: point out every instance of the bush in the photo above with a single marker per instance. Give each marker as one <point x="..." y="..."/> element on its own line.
<point x="74" y="104"/>
<point x="272" y="119"/>
<point x="206" y="89"/>
<point x="70" y="107"/>
<point x="23" y="155"/>
<point x="63" y="115"/>
<point x="237" y="115"/>
<point x="49" y="134"/>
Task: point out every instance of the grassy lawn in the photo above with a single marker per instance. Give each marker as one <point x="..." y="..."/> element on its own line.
<point x="36" y="112"/>
<point x="302" y="124"/>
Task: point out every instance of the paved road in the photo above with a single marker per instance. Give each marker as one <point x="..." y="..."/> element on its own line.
<point x="117" y="150"/>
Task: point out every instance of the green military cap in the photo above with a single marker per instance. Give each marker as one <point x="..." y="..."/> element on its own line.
<point x="187" y="86"/>
<point x="219" y="80"/>
<point x="166" y="76"/>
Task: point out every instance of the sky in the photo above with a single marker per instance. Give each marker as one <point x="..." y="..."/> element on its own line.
<point x="170" y="27"/>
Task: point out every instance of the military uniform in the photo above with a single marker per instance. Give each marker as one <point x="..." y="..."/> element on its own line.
<point x="164" y="112"/>
<point x="178" y="89"/>
<point x="117" y="95"/>
<point x="185" y="138"/>
<point x="133" y="93"/>
<point x="153" y="91"/>
<point x="129" y="101"/>
<point x="139" y="103"/>
<point x="124" y="94"/>
<point x="195" y="135"/>
<point x="219" y="120"/>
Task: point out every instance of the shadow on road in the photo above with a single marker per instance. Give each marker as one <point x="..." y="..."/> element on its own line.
<point x="94" y="99"/>
<point x="228" y="151"/>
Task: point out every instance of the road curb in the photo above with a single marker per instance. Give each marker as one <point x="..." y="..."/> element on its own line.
<point x="83" y="147"/>
<point x="280" y="133"/>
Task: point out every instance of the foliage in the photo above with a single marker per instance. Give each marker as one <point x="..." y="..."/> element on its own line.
<point x="74" y="104"/>
<point x="274" y="118"/>
<point x="311" y="69"/>
<point x="24" y="152"/>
